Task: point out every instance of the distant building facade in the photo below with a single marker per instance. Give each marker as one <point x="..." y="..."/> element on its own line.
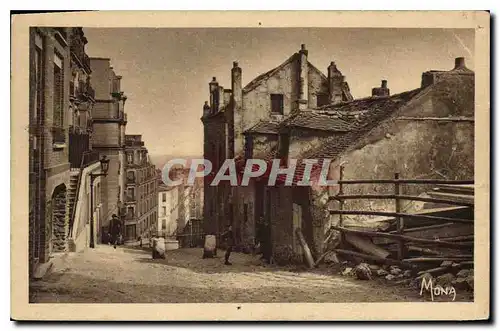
<point x="108" y="136"/>
<point x="178" y="205"/>
<point x="141" y="191"/>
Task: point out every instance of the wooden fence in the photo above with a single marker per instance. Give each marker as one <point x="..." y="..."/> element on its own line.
<point x="403" y="241"/>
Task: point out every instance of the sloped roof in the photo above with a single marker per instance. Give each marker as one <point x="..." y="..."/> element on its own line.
<point x="324" y="121"/>
<point x="370" y="112"/>
<point x="265" y="127"/>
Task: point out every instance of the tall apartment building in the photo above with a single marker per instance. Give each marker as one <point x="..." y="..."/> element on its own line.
<point x="61" y="99"/>
<point x="141" y="191"/>
<point x="108" y="137"/>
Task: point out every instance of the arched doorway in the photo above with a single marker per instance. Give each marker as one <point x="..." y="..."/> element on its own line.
<point x="59" y="224"/>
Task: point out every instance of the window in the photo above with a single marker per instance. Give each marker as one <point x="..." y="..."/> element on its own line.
<point x="131" y="193"/>
<point x="130" y="158"/>
<point x="277" y="103"/>
<point x="130" y="212"/>
<point x="131" y="177"/>
<point x="322" y="99"/>
<point x="164" y="211"/>
<point x="58" y="91"/>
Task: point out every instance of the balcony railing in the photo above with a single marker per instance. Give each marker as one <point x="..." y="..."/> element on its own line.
<point x="131" y="198"/>
<point x="79" y="150"/>
<point x="131" y="180"/>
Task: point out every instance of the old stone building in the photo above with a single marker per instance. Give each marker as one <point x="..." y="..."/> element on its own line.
<point x="108" y="136"/>
<point x="141" y="191"/>
<point x="424" y="133"/>
<point x="291" y="87"/>
<point x="61" y="99"/>
<point x="48" y="137"/>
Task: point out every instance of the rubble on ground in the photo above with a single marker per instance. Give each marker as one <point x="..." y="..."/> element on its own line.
<point x="369" y="257"/>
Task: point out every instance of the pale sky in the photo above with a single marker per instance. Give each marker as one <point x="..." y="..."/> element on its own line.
<point x="166" y="71"/>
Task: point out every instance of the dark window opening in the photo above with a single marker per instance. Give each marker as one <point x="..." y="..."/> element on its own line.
<point x="248" y="147"/>
<point x="277" y="103"/>
<point x="322" y="99"/>
<point x="283" y="147"/>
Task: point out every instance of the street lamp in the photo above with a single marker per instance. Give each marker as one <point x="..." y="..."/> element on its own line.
<point x="104" y="171"/>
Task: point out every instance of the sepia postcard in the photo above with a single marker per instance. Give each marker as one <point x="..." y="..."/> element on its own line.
<point x="246" y="166"/>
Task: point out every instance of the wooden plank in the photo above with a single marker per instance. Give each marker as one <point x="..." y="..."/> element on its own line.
<point x="414" y="216"/>
<point x="403" y="197"/>
<point x="372" y="258"/>
<point x="437" y="119"/>
<point x="458" y="198"/>
<point x="400" y="221"/>
<point x="404" y="181"/>
<point x="406" y="238"/>
<point x="439" y="259"/>
<point x="305" y="248"/>
<point x="467" y="189"/>
<point x="423" y="228"/>
<point x="366" y="246"/>
<point x="423" y="250"/>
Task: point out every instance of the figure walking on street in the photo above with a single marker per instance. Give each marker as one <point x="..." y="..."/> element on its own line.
<point x="228" y="237"/>
<point x="114" y="229"/>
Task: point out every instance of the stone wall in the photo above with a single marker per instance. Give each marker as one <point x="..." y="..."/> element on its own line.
<point x="59" y="220"/>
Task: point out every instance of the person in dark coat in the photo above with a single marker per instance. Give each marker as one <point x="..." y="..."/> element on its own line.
<point x="114" y="229"/>
<point x="228" y="237"/>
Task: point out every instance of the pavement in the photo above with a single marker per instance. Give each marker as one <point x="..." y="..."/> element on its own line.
<point x="130" y="275"/>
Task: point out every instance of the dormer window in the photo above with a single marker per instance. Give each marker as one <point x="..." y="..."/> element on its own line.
<point x="277" y="104"/>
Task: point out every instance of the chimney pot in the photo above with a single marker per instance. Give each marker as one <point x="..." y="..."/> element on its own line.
<point x="214" y="79"/>
<point x="303" y="47"/>
<point x="235" y="64"/>
<point x="459" y="62"/>
<point x="384" y="83"/>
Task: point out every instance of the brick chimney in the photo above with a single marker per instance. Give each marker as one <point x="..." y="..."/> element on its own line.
<point x="303" y="78"/>
<point x="434" y="76"/>
<point x="239" y="125"/>
<point x="206" y="109"/>
<point x="381" y="91"/>
<point x="221" y="97"/>
<point x="214" y="95"/>
<point x="335" y="82"/>
<point x="459" y="63"/>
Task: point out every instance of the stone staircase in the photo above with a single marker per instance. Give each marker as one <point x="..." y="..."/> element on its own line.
<point x="72" y="192"/>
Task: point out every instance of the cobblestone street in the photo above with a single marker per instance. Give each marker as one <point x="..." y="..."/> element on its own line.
<point x="128" y="275"/>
